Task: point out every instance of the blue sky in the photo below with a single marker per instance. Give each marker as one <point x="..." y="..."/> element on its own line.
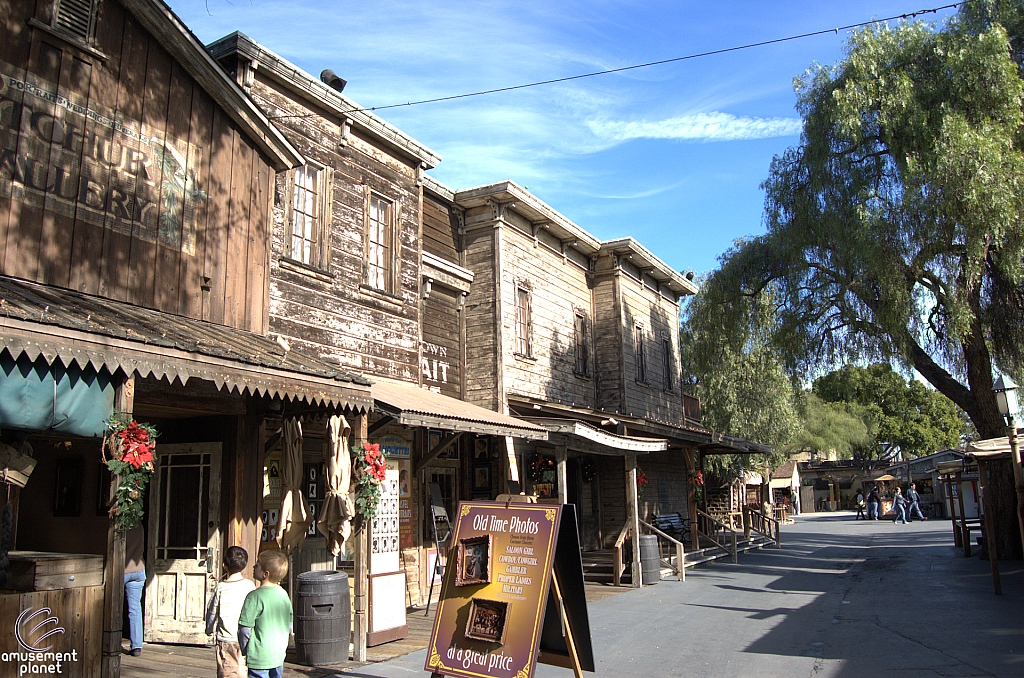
<point x="672" y="155"/>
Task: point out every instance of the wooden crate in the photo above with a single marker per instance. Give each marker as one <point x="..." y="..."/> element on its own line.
<point x="39" y="571"/>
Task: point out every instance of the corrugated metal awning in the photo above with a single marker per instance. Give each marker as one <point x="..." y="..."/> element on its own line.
<point x="38" y="320"/>
<point x="602" y="442"/>
<point x="414" y="406"/>
<point x="992" y="448"/>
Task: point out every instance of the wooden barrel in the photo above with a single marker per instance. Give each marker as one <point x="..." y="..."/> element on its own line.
<point x="650" y="559"/>
<point x="323" y="622"/>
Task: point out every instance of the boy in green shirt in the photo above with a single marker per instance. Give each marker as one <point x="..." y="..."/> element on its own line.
<point x="266" y="618"/>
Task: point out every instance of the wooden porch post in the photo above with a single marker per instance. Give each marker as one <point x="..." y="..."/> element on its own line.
<point x="964" y="537"/>
<point x="985" y="478"/>
<point x="563" y="476"/>
<point x="113" y="566"/>
<point x="360" y="624"/>
<point x="632" y="513"/>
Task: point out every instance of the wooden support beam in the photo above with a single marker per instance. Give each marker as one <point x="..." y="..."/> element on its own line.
<point x="379" y="425"/>
<point x="361" y="621"/>
<point x="433" y="454"/>
<point x="632" y="513"/>
<point x="113" y="566"/>
<point x="563" y="476"/>
<point x="985" y="478"/>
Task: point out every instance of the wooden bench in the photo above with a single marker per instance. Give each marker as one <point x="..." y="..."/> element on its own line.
<point x="673" y="525"/>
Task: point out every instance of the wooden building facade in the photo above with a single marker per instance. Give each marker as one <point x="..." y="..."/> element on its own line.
<point x="136" y="191"/>
<point x="366" y="272"/>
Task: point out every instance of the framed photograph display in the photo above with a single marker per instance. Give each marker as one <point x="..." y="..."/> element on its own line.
<point x="481" y="449"/>
<point x="487" y="620"/>
<point x="473" y="561"/>
<point x="481" y="477"/>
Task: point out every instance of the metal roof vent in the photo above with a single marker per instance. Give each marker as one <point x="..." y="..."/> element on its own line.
<point x="328" y="77"/>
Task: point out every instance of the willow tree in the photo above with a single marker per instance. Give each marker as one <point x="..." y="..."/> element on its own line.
<point x="896" y="226"/>
<point x="895" y="229"/>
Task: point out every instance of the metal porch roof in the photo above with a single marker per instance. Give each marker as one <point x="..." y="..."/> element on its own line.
<point x="58" y="323"/>
<point x="414" y="406"/>
<point x="603" y="442"/>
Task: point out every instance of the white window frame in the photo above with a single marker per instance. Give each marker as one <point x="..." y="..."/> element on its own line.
<point x="308" y="207"/>
<point x="524" y="320"/>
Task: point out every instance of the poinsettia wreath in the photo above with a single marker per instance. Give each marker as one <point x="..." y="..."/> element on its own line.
<point x="132" y="449"/>
<point x="368" y="472"/>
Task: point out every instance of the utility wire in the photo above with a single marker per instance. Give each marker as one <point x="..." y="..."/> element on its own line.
<point x="725" y="50"/>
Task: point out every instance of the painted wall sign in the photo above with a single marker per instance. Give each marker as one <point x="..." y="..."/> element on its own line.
<point x="490" y="626"/>
<point x="60" y="153"/>
<point x="434" y="365"/>
<point x="393" y="446"/>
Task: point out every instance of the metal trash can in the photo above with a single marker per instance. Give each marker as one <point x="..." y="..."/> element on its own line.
<point x="323" y="625"/>
<point x="650" y="559"/>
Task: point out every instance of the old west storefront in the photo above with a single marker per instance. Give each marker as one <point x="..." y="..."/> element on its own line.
<point x="136" y="182"/>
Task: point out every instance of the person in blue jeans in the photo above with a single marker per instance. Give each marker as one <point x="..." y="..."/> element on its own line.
<point x="914" y="501"/>
<point x="134" y="583"/>
<point x="873" y="501"/>
<point x="898" y="504"/>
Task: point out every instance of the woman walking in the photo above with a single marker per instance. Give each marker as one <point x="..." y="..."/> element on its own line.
<point x="898" y="504"/>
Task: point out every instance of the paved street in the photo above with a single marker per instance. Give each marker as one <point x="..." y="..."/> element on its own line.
<point x="843" y="598"/>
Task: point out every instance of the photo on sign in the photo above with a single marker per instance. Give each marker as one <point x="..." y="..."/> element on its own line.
<point x="482" y="477"/>
<point x="481" y="450"/>
<point x="473" y="561"/>
<point x="487" y="620"/>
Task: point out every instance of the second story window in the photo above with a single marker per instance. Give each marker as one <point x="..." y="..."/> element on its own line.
<point x="524" y="323"/>
<point x="306" y="237"/>
<point x="381" y="244"/>
<point x="581" y="342"/>
<point x="641" y="353"/>
<point x="667" y="365"/>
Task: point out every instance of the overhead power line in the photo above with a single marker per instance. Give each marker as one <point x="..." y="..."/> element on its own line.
<point x="660" y="62"/>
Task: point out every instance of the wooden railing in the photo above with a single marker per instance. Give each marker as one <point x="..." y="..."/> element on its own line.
<point x="757" y="521"/>
<point x="680" y="567"/>
<point x="718" y="533"/>
<point x="617" y="563"/>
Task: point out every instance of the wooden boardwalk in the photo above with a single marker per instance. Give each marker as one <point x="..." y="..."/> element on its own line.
<point x="187" y="661"/>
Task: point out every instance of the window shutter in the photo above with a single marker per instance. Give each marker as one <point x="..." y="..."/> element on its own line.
<point x="289" y="206"/>
<point x="396" y="249"/>
<point x="366" y="234"/>
<point x="326" y="217"/>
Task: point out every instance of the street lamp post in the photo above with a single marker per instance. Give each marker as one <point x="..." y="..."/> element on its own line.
<point x="1006" y="400"/>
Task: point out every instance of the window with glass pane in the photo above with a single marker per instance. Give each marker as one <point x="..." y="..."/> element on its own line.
<point x="641" y="355"/>
<point x="668" y="363"/>
<point x="581" y="344"/>
<point x="523" y="328"/>
<point x="305" y="245"/>
<point x="378" y="246"/>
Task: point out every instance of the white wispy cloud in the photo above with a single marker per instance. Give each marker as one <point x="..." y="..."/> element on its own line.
<point x="713" y="126"/>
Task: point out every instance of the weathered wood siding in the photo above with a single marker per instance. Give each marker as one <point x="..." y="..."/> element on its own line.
<point x="441" y="364"/>
<point x="167" y="209"/>
<point x="440" y="230"/>
<point x="666" y="490"/>
<point x="558" y="286"/>
<point x="330" y="312"/>
<point x="611" y="474"/>
<point x="482" y="355"/>
<point x="623" y="299"/>
<point x="643" y="305"/>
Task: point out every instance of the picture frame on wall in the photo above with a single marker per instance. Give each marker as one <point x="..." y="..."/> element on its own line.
<point x="481" y="477"/>
<point x="473" y="561"/>
<point x="67" y="488"/>
<point x="487" y="620"/>
<point x="481" y="451"/>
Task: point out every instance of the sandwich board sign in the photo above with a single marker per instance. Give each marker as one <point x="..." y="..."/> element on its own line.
<point x="512" y="593"/>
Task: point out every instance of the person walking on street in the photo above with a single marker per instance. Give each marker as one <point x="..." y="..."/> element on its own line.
<point x="873" y="503"/>
<point x="860" y="506"/>
<point x="914" y="501"/>
<point x="898" y="504"/>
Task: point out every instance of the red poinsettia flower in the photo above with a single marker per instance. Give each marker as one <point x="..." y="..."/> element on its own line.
<point x="641" y="478"/>
<point x="136" y="444"/>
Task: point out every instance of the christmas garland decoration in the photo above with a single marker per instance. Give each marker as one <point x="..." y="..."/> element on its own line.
<point x="368" y="472"/>
<point x="641" y="483"/>
<point x="132" y="448"/>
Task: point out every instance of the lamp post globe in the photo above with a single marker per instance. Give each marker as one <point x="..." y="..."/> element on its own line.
<point x="1006" y="396"/>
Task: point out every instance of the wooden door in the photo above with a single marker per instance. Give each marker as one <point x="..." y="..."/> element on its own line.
<point x="183" y="558"/>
